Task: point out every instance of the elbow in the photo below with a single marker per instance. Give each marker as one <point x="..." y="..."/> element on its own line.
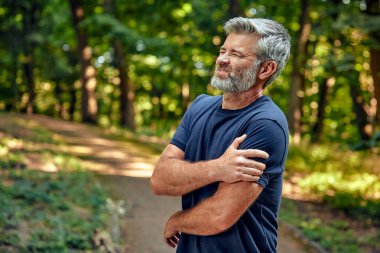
<point x="155" y="186"/>
<point x="220" y="223"/>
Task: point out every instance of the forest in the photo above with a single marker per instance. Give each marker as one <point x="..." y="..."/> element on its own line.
<point x="136" y="66"/>
<point x="139" y="65"/>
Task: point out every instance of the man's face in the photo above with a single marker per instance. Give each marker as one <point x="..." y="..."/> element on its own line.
<point x="236" y="65"/>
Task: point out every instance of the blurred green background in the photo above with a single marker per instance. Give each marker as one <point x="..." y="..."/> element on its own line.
<point x="135" y="66"/>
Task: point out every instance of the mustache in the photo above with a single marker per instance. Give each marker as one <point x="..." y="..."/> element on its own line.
<point x="223" y="68"/>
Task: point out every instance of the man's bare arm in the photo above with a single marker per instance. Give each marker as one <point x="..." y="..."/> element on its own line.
<point x="175" y="177"/>
<point x="215" y="214"/>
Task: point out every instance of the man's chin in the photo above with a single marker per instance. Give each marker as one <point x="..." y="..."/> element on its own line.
<point x="221" y="76"/>
<point x="220" y="84"/>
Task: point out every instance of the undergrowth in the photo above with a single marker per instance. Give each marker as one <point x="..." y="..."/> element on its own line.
<point x="46" y="212"/>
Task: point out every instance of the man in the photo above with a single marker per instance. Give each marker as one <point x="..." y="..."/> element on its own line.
<point x="217" y="157"/>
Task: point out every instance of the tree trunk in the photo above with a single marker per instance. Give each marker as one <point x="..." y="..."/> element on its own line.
<point x="375" y="67"/>
<point x="373" y="9"/>
<point x="364" y="126"/>
<point x="160" y="108"/>
<point x="87" y="71"/>
<point x="29" y="25"/>
<point x="73" y="102"/>
<point x="58" y="95"/>
<point x="234" y="9"/>
<point x="14" y="103"/>
<point x="324" y="90"/>
<point x="29" y="76"/>
<point x="15" y="91"/>
<point x="298" y="75"/>
<point x="127" y="94"/>
<point x="328" y="81"/>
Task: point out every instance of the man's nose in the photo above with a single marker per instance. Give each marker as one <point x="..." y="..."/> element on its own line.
<point x="224" y="58"/>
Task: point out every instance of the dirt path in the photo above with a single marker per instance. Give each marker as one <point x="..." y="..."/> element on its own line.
<point x="124" y="169"/>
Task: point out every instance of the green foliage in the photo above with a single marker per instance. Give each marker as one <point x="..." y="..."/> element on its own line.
<point x="49" y="204"/>
<point x="350" y="184"/>
<point x="334" y="235"/>
<point x="355" y="205"/>
<point x="372" y="143"/>
<point x="12" y="161"/>
<point x="170" y="49"/>
<point x="331" y="236"/>
<point x="46" y="212"/>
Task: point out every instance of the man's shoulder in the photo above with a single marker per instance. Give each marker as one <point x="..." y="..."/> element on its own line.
<point x="204" y="102"/>
<point x="267" y="109"/>
<point x="204" y="98"/>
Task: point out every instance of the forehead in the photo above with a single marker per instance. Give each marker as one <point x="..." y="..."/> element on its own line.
<point x="241" y="41"/>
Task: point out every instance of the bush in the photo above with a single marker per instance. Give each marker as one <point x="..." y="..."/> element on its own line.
<point x="351" y="184"/>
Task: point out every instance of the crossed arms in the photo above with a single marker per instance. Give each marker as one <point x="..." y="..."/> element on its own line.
<point x="235" y="171"/>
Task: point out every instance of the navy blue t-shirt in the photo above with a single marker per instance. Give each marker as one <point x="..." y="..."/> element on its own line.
<point x="205" y="132"/>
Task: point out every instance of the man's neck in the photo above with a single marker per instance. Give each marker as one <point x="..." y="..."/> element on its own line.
<point x="239" y="100"/>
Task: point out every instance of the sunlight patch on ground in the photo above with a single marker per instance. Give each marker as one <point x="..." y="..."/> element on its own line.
<point x="133" y="169"/>
<point x="37" y="162"/>
<point x="100" y="141"/>
<point x="112" y="154"/>
<point x="79" y="150"/>
<point x="129" y="173"/>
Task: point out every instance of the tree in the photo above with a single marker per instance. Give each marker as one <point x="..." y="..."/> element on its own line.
<point x="89" y="107"/>
<point x="30" y="13"/>
<point x="127" y="94"/>
<point x="234" y="9"/>
<point x="373" y="12"/>
<point x="298" y="76"/>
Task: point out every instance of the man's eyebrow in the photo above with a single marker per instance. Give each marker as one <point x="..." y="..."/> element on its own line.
<point x="237" y="51"/>
<point x="232" y="50"/>
<point x="240" y="52"/>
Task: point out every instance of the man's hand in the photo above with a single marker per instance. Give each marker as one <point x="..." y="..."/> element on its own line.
<point x="235" y="165"/>
<point x="171" y="236"/>
<point x="174" y="176"/>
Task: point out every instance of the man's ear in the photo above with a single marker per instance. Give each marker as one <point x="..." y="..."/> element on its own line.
<point x="267" y="69"/>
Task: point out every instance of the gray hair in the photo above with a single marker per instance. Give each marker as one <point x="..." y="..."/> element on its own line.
<point x="272" y="45"/>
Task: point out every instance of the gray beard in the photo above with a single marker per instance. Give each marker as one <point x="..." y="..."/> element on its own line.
<point x="243" y="80"/>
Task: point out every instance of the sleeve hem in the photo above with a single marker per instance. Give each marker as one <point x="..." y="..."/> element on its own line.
<point x="262" y="182"/>
<point x="179" y="144"/>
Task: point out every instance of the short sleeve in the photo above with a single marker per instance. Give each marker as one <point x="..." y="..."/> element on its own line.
<point x="181" y="134"/>
<point x="267" y="135"/>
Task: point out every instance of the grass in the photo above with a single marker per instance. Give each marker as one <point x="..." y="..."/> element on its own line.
<point x="46" y="212"/>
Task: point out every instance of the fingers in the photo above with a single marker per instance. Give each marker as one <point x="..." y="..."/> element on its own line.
<point x="248" y="174"/>
<point x="173" y="241"/>
<point x="176" y="238"/>
<point x="238" y="141"/>
<point x="170" y="242"/>
<point x="253" y="171"/>
<point x="249" y="164"/>
<point x="250" y="153"/>
<point x="249" y="178"/>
